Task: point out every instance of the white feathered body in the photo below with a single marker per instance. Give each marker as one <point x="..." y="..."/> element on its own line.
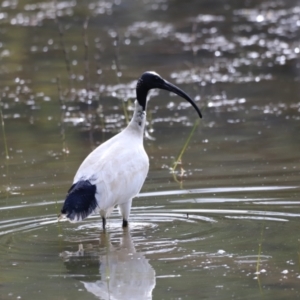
<point x="118" y="167"/>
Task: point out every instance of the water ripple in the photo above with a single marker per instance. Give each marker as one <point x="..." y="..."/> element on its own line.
<point x="217" y="190"/>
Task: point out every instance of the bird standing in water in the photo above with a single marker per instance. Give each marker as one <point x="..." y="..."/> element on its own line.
<point x="115" y="171"/>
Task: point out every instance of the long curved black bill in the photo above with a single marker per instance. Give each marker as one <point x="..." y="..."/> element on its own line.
<point x="173" y="88"/>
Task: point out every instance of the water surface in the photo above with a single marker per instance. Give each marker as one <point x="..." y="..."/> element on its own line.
<point x="224" y="224"/>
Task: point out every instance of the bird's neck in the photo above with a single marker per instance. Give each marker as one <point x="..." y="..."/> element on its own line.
<point x="141" y="93"/>
<point x="138" y="120"/>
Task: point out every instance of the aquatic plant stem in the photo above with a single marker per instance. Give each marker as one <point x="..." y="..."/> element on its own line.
<point x="3" y="132"/>
<point x="259" y="257"/>
<point x="65" y="149"/>
<point x="6" y="154"/>
<point x="107" y="252"/>
<point x="178" y="160"/>
<point x="63" y="46"/>
<point x="86" y="55"/>
<point x="298" y="255"/>
<point x="98" y="66"/>
<point x="118" y="72"/>
<point x="259" y="248"/>
<point x="87" y="81"/>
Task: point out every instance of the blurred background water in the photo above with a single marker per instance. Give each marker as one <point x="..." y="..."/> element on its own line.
<point x="224" y="223"/>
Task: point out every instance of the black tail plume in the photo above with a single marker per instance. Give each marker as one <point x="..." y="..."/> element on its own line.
<point x="80" y="201"/>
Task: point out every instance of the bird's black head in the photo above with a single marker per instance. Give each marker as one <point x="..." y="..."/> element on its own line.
<point x="151" y="80"/>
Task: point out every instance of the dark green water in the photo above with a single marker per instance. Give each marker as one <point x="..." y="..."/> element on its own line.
<point x="226" y="223"/>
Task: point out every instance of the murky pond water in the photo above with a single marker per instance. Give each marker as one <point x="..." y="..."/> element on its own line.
<point x="224" y="224"/>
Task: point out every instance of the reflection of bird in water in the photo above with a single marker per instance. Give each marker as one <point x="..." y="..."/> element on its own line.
<point x="115" y="171"/>
<point x="125" y="274"/>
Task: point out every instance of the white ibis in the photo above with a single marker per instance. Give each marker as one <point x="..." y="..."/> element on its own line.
<point x="114" y="172"/>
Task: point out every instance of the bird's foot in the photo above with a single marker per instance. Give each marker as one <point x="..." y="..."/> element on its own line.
<point x="125" y="223"/>
<point x="103" y="223"/>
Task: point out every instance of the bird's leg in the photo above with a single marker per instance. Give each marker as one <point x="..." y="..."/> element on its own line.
<point x="124" y="209"/>
<point x="103" y="223"/>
